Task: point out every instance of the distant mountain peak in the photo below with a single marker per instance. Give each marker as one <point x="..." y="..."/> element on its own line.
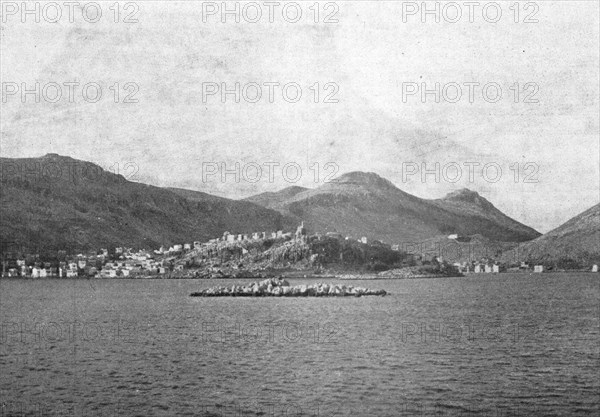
<point x="57" y="157"/>
<point x="293" y="190"/>
<point x="464" y="194"/>
<point x="369" y="179"/>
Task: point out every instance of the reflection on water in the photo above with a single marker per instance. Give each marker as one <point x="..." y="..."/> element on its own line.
<point x="502" y="345"/>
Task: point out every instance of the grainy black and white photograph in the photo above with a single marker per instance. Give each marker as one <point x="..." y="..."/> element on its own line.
<point x="303" y="208"/>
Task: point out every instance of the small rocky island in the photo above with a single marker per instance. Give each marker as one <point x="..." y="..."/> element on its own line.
<point x="281" y="288"/>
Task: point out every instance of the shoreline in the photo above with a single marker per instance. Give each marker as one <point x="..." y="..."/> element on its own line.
<point x="342" y="277"/>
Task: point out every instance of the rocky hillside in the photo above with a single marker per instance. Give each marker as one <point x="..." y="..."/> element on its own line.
<point x="55" y="202"/>
<point x="275" y="200"/>
<point x="364" y="204"/>
<point x="575" y="243"/>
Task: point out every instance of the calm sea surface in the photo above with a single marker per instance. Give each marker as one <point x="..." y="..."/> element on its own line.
<point x="499" y="346"/>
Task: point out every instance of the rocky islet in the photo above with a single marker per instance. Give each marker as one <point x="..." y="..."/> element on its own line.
<point x="281" y="288"/>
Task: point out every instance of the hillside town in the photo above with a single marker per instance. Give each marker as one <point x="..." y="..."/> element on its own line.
<point x="184" y="260"/>
<point x="128" y="262"/>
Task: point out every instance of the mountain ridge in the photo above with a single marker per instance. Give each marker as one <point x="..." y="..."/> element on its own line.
<point x="575" y="242"/>
<point x="64" y="200"/>
<point x="55" y="202"/>
<point x="367" y="200"/>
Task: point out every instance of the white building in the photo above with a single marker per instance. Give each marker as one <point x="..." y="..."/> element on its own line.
<point x="538" y="268"/>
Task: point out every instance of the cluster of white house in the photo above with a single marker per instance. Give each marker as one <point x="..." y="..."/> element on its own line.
<point x="231" y="238"/>
<point x="46" y="270"/>
<point x="129" y="262"/>
<point x="227" y="238"/>
<point x="140" y="263"/>
<point x="486" y="268"/>
<point x="466" y="268"/>
<point x="490" y="268"/>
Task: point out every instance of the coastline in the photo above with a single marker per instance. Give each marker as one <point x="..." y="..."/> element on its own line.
<point x="343" y="277"/>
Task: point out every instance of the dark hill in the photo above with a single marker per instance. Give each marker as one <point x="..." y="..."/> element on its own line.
<point x="55" y="202"/>
<point x="274" y="200"/>
<point x="575" y="243"/>
<point x="364" y="204"/>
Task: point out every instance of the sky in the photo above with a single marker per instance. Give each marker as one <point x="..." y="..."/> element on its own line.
<point x="511" y="108"/>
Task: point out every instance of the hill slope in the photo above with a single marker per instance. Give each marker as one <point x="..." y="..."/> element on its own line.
<point x="277" y="199"/>
<point x="577" y="240"/>
<point x="55" y="202"/>
<point x="364" y="204"/>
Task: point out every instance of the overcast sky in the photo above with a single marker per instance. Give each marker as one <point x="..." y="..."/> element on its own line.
<point x="176" y="51"/>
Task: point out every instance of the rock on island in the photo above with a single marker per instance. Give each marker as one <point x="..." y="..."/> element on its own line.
<point x="281" y="288"/>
